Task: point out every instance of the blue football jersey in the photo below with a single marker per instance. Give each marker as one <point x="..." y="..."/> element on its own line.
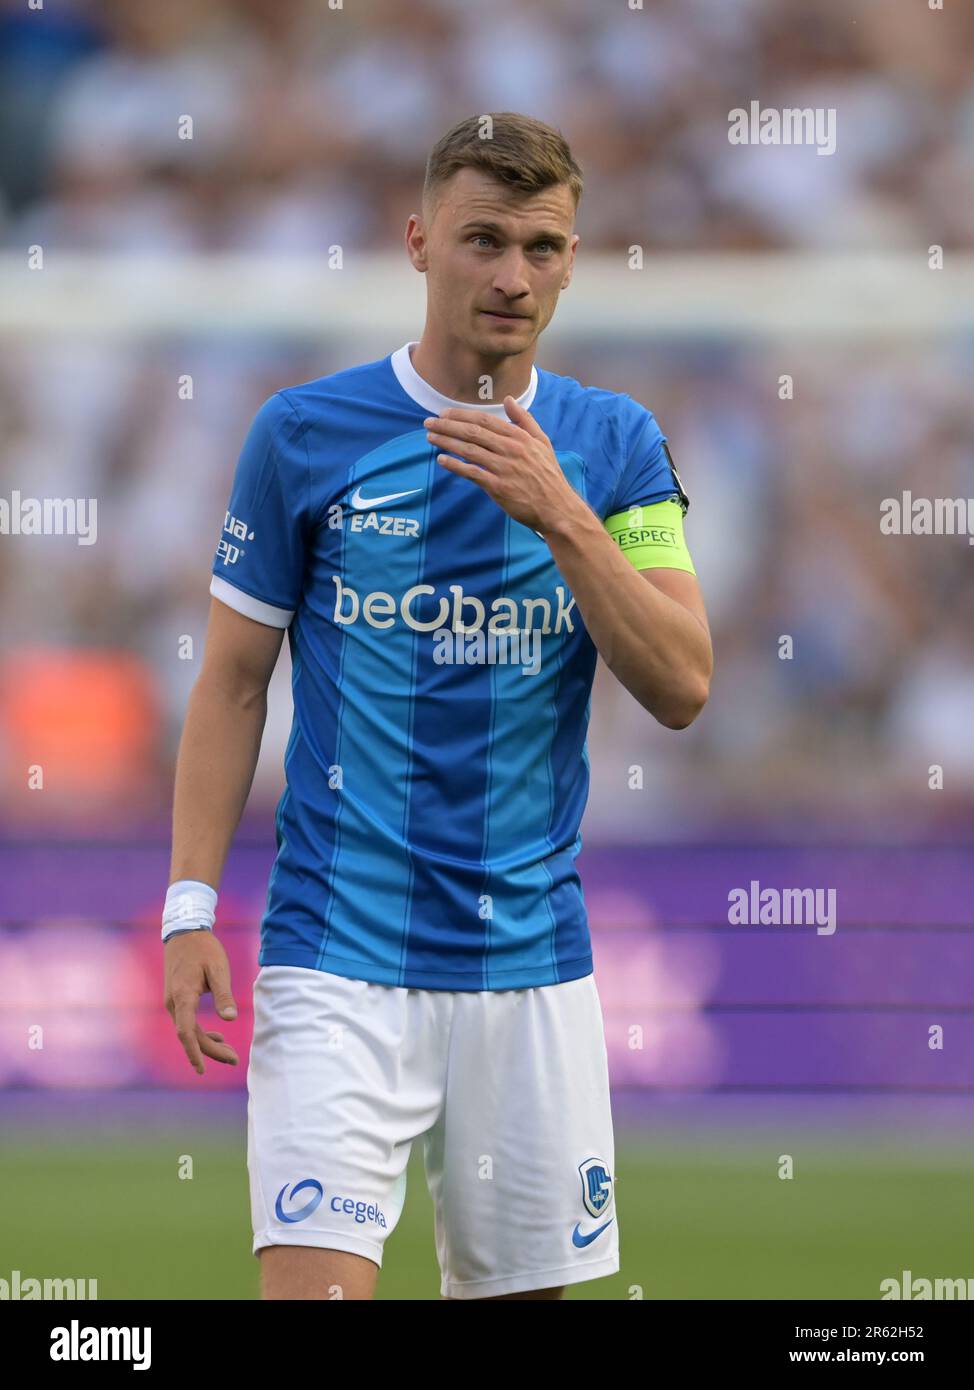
<point x="436" y="771"/>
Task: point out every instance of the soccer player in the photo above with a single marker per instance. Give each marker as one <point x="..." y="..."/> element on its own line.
<point x="449" y="536"/>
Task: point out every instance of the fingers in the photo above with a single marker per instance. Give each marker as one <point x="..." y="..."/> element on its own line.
<point x="470" y="440"/>
<point x="212" y="1045"/>
<point x="197" y="968"/>
<point x="523" y="418"/>
<point x="184" y="1017"/>
<point x="520" y="421"/>
<point x="457" y="420"/>
<point x="480" y="476"/>
<point x="218" y="982"/>
<point x="486" y="460"/>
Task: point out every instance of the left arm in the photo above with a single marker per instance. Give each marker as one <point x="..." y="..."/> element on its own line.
<point x="650" y="625"/>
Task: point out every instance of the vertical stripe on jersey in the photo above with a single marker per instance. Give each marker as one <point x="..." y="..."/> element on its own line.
<point x="570" y="770"/>
<point x="370" y="872"/>
<point x="451" y="739"/>
<point x="525" y="877"/>
<point x="568" y="762"/>
<point x="300" y="883"/>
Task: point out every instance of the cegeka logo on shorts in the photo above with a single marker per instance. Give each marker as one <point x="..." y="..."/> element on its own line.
<point x="344" y="1206"/>
<point x="299" y="1212"/>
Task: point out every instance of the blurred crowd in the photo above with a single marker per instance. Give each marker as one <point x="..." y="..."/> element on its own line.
<point x="312" y="121"/>
<point x="311" y="125"/>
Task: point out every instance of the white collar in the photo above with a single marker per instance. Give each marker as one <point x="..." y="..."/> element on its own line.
<point x="432" y="400"/>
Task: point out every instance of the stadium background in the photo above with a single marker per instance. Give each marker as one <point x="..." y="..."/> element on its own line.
<point x="208" y="257"/>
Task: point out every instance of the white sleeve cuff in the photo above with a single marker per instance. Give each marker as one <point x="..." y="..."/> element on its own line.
<point x="247" y="605"/>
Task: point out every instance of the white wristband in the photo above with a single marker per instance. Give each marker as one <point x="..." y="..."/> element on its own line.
<point x="190" y="906"/>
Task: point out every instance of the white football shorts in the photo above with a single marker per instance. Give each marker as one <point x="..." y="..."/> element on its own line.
<point x="508" y="1089"/>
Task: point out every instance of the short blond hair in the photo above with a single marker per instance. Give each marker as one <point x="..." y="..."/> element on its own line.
<point x="519" y="151"/>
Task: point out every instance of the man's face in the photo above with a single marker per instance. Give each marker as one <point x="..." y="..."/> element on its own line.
<point x="495" y="261"/>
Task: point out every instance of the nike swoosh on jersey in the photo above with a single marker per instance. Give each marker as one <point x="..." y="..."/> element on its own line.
<point x="358" y="501"/>
<point x="581" y="1241"/>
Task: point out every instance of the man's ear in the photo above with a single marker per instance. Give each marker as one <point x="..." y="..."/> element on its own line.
<point x="416" y="241"/>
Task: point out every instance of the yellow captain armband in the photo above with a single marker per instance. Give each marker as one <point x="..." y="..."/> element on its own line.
<point x="651" y="536"/>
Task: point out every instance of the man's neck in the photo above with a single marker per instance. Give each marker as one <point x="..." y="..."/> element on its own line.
<point x="457" y="373"/>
